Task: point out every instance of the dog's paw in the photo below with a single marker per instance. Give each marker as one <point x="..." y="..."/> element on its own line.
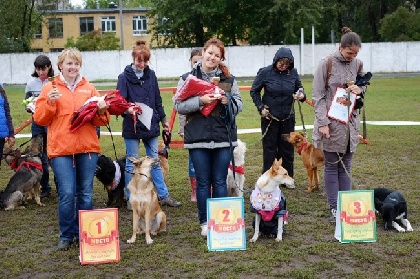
<point x="279" y="239"/>
<point x="131" y="240"/>
<point x="149" y="240"/>
<point x="401" y="230"/>
<point x="254" y="239"/>
<point x="410" y="229"/>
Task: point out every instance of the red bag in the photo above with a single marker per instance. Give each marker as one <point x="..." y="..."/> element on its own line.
<point x="194" y="86"/>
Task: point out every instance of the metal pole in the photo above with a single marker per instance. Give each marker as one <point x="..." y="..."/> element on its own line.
<point x="301" y="70"/>
<point x="121" y="27"/>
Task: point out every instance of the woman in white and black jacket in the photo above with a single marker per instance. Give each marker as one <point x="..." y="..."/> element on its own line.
<point x="209" y="138"/>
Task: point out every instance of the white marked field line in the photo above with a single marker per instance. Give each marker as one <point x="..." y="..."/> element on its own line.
<point x="258" y="130"/>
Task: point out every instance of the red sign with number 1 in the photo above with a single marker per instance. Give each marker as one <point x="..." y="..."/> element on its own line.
<point x="99" y="240"/>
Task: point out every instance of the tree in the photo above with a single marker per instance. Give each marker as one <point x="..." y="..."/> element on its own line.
<point x="19" y="20"/>
<point x="401" y="25"/>
<point x="103" y="4"/>
<point x="94" y="40"/>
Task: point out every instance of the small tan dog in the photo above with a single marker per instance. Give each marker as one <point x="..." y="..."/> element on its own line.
<point x="148" y="217"/>
<point x="235" y="186"/>
<point x="312" y="158"/>
<point x="266" y="197"/>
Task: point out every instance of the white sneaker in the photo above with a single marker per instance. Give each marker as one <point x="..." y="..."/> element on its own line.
<point x="204" y="230"/>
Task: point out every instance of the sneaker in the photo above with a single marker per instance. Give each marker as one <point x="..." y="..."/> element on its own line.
<point x="204" y="229"/>
<point x="64" y="245"/>
<point x="169" y="201"/>
<point x="44" y="195"/>
<point x="333" y="214"/>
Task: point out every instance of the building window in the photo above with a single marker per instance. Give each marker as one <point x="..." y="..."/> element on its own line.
<point x="139" y="25"/>
<point x="56" y="49"/>
<point x="86" y="25"/>
<point x="108" y="24"/>
<point x="38" y="31"/>
<point x="55" y="27"/>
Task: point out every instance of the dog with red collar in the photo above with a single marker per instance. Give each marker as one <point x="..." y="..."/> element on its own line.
<point x="312" y="157"/>
<point x="268" y="201"/>
<point x="26" y="179"/>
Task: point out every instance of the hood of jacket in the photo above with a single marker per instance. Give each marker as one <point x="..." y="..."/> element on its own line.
<point x="284" y="52"/>
<point x="131" y="75"/>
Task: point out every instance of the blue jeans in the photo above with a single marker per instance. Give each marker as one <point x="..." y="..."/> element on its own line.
<point x="191" y="171"/>
<point x="132" y="148"/>
<point x="74" y="175"/>
<point x="211" y="168"/>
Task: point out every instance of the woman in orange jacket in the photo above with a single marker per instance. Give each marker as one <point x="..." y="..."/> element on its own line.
<point x="73" y="154"/>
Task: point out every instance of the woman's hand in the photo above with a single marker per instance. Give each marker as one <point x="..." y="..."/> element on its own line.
<point x="325" y="131"/>
<point x="166" y="127"/>
<point x="102" y="106"/>
<point x="223" y="99"/>
<point x="265" y="113"/>
<point x="208" y="99"/>
<point x="53" y="95"/>
<point x="355" y="89"/>
<point x="10" y="141"/>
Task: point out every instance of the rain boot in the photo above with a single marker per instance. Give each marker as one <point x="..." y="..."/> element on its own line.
<point x="193" y="189"/>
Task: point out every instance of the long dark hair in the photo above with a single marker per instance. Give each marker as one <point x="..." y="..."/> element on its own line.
<point x="41" y="62"/>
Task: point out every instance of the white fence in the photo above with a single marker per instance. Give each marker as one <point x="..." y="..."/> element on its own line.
<point x="243" y="61"/>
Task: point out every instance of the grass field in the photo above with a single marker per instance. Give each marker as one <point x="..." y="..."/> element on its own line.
<point x="309" y="250"/>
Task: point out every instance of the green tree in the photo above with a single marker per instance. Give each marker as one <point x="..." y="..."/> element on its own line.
<point x="94" y="40"/>
<point x="103" y="4"/>
<point x="401" y="25"/>
<point x="280" y="21"/>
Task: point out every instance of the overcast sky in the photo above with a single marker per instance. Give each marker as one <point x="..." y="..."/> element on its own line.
<point x="76" y="2"/>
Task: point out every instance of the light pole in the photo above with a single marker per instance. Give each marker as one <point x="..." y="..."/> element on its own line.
<point x="121" y="27"/>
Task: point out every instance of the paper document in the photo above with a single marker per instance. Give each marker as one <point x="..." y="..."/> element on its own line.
<point x="146" y="115"/>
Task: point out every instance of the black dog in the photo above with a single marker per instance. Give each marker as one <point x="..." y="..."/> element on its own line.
<point x="392" y="206"/>
<point x="112" y="175"/>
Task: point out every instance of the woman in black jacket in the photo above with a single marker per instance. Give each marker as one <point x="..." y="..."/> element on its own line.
<point x="280" y="81"/>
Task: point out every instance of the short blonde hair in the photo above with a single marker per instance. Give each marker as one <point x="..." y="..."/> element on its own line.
<point x="72" y="53"/>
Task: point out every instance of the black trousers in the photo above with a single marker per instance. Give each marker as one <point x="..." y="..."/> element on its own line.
<point x="274" y="144"/>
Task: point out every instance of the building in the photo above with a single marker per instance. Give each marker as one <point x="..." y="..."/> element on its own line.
<point x="58" y="25"/>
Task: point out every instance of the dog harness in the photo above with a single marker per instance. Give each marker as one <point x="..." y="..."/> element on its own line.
<point x="238" y="169"/>
<point x="302" y="147"/>
<point x="117" y="176"/>
<point x="267" y="204"/>
<point x="29" y="165"/>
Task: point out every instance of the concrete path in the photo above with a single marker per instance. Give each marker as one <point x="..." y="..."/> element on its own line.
<point x="258" y="130"/>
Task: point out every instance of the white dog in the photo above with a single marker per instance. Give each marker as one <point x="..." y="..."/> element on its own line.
<point x="236" y="186"/>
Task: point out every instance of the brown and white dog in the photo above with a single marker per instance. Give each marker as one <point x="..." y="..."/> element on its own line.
<point x="148" y="217"/>
<point x="312" y="158"/>
<point x="266" y="198"/>
<point x="235" y="186"/>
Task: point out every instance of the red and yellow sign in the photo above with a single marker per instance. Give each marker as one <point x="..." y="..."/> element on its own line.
<point x="225" y="219"/>
<point x="356" y="219"/>
<point x="99" y="238"/>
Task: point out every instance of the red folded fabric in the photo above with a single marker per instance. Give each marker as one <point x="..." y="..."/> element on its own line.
<point x="194" y="86"/>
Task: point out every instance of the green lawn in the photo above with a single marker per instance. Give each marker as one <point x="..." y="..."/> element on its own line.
<point x="29" y="237"/>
